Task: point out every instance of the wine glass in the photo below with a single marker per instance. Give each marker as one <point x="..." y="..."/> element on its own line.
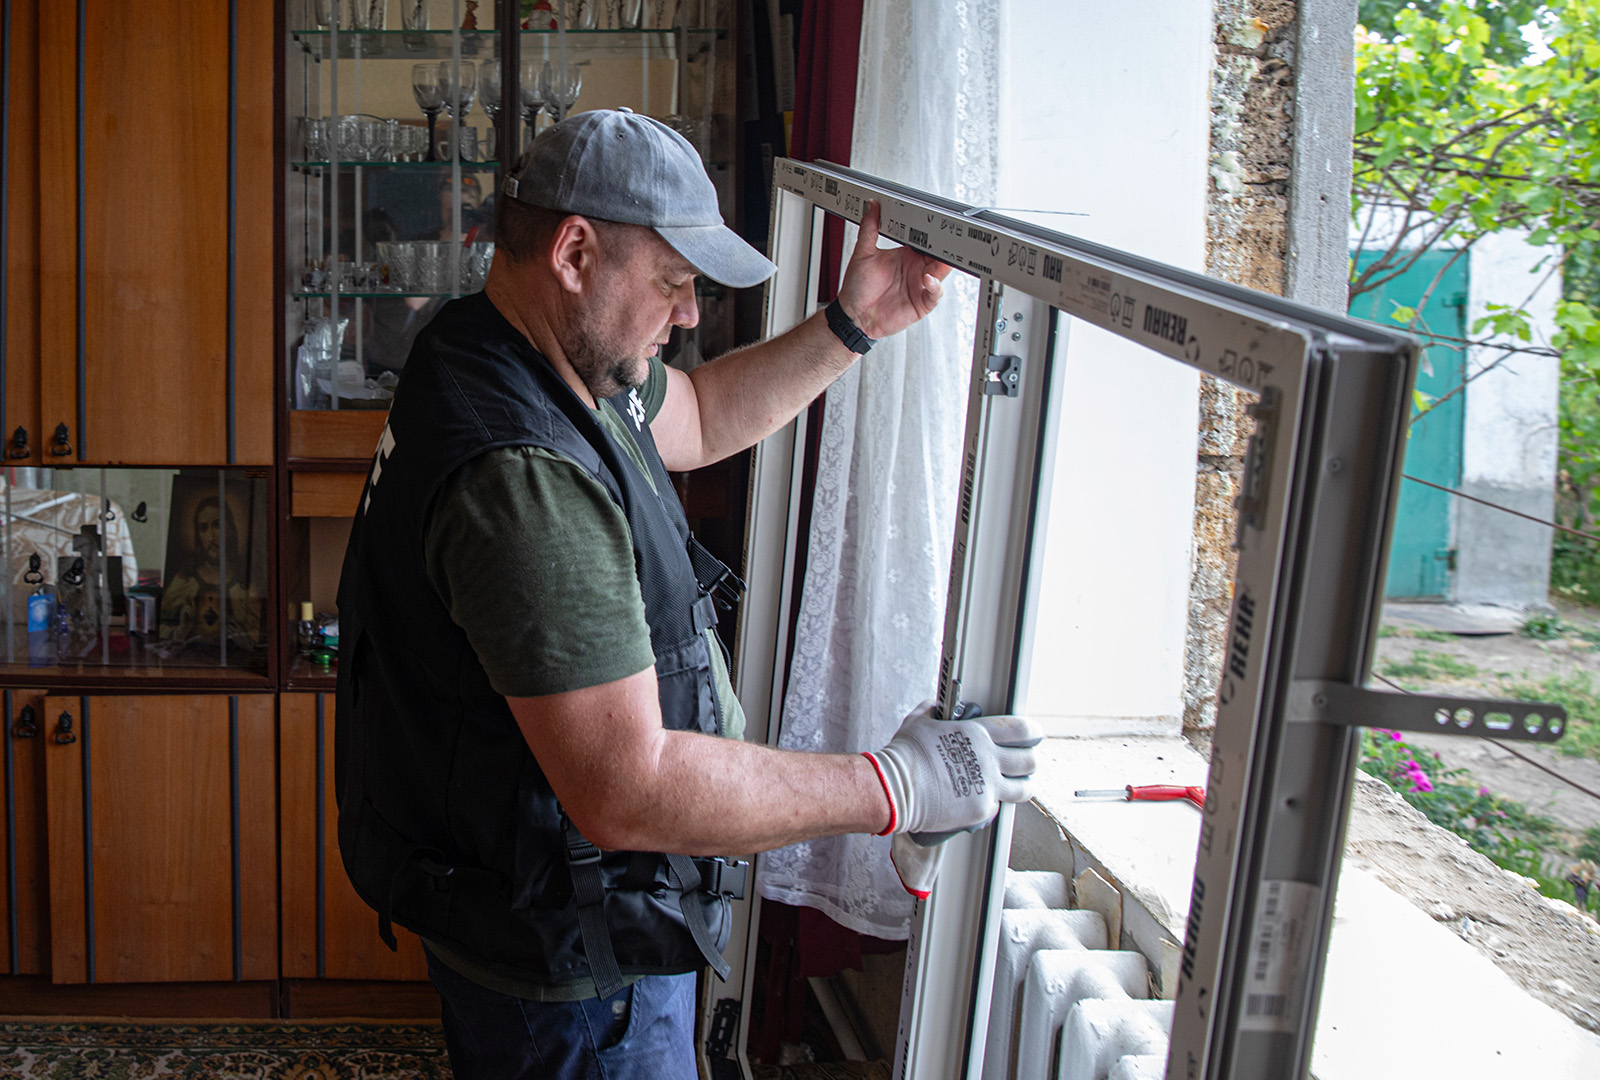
<point x="489" y="90"/>
<point x="460" y="88"/>
<point x="428" y="89"/>
<point x="531" y="94"/>
<point x="560" y="84"/>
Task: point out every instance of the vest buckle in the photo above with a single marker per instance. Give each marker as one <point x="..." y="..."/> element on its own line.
<point x="438" y="872"/>
<point x="724" y="877"/>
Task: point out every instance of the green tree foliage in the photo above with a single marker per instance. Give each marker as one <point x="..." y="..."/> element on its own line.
<point x="1464" y="128"/>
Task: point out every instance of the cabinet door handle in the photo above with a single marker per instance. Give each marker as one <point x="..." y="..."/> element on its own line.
<point x="62" y="446"/>
<point x="19" y="444"/>
<point x="64" y="733"/>
<point x="27" y="725"/>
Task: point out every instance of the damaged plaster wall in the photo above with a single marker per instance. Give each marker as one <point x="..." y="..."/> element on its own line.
<point x="1277" y="212"/>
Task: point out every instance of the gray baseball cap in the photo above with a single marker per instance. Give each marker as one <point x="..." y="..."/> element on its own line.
<point x="616" y="165"/>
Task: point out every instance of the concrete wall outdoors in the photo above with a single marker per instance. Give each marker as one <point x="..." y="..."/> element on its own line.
<point x="1510" y="433"/>
<point x="1510" y="428"/>
<point x="1108" y="118"/>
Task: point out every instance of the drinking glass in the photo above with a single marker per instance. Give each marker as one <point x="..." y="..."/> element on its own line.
<point x="631" y="14"/>
<point x="369" y="14"/>
<point x="432" y="272"/>
<point x="327" y="13"/>
<point x="374" y="139"/>
<point x="428" y="89"/>
<point x="460" y="87"/>
<point x="582" y="14"/>
<point x="414" y="18"/>
<point x="316" y="137"/>
<point x="347" y="138"/>
<point x="559" y="86"/>
<point x="531" y="93"/>
<point x="462" y="142"/>
<point x="489" y="90"/>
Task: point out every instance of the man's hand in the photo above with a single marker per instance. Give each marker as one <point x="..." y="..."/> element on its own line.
<point x="946" y="775"/>
<point x="885" y="290"/>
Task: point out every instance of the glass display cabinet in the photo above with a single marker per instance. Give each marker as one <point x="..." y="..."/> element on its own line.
<point x="135" y="572"/>
<point x="400" y="125"/>
<point x="400" y="121"/>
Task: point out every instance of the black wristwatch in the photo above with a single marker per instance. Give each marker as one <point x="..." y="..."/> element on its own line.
<point x="845" y="329"/>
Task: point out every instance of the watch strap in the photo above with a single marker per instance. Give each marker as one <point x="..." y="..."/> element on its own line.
<point x="845" y="329"/>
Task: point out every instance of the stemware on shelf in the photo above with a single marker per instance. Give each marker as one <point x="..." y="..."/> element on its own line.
<point x="560" y="85"/>
<point x="428" y="89"/>
<point x="489" y="90"/>
<point x="531" y="94"/>
<point x="460" y="87"/>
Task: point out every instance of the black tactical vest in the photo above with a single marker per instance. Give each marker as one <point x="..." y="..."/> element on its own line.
<point x="447" y="824"/>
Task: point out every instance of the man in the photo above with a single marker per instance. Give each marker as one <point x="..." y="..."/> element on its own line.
<point x="531" y="692"/>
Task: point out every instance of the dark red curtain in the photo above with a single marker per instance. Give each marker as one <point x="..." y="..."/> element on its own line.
<point x="825" y="105"/>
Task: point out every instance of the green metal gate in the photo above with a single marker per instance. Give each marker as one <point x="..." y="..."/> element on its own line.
<point x="1422" y="556"/>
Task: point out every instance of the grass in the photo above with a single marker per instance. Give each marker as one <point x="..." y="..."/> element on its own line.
<point x="1542" y="626"/>
<point x="1428" y="666"/>
<point x="1580" y="696"/>
<point x="1389" y="630"/>
<point x="1433" y="635"/>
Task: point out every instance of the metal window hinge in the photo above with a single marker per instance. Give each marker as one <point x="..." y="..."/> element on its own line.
<point x="1321" y="702"/>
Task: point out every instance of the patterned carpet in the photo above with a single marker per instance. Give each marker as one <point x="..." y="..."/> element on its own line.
<point x="254" y="1051"/>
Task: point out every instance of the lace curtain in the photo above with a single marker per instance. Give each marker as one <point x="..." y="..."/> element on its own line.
<point x="872" y="604"/>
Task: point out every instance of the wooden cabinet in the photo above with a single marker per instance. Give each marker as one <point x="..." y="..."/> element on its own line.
<point x="162" y="837"/>
<point x="25" y="948"/>
<point x="328" y="931"/>
<point x="155" y="234"/>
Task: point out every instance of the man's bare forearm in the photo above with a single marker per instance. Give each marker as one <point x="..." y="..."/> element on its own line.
<point x="629" y="784"/>
<point x="712" y="796"/>
<point x="747" y="394"/>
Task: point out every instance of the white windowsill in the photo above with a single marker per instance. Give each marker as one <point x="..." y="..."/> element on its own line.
<point x="1401" y="996"/>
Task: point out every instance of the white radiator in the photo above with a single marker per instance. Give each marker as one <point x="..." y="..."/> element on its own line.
<point x="1023" y="932"/>
<point x="1058" y="985"/>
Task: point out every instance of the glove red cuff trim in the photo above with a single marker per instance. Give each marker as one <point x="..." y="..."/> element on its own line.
<point x="920" y="894"/>
<point x="894" y="811"/>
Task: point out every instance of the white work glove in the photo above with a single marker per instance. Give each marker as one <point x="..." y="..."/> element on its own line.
<point x="944" y="776"/>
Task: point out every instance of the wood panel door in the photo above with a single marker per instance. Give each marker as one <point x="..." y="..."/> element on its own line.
<point x="328" y="931"/>
<point x="162" y="815"/>
<point x="25" y="903"/>
<point x="156" y="185"/>
<point x="19" y="318"/>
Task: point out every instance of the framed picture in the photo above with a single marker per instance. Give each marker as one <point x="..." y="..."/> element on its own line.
<point x="215" y="576"/>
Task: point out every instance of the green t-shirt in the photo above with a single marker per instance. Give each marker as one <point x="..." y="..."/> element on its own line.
<point x="535" y="563"/>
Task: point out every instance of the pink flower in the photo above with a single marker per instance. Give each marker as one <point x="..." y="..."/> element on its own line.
<point x="1420" y="783"/>
<point x="1395" y="735"/>
<point x="1483" y="791"/>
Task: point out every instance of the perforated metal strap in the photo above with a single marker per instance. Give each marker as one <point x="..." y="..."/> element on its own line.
<point x="688" y="875"/>
<point x="589" y="890"/>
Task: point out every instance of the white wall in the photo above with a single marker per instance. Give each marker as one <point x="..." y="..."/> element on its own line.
<point x="1105" y="112"/>
<point x="1510" y="433"/>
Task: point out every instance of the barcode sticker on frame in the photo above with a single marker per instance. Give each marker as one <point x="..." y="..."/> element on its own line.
<point x="1278" y="964"/>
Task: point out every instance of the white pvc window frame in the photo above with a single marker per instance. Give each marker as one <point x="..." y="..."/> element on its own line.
<point x="1319" y="490"/>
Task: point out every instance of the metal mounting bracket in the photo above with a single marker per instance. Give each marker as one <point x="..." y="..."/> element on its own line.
<point x="1004" y="376"/>
<point x="1318" y="701"/>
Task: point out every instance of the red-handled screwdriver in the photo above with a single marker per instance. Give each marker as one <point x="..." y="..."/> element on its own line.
<point x="1149" y="793"/>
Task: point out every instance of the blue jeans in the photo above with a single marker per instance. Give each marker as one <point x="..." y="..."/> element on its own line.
<point x="643" y="1032"/>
